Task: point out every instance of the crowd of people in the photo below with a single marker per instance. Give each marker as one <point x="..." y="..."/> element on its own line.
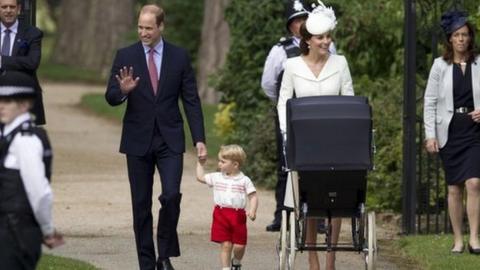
<point x="152" y="75"/>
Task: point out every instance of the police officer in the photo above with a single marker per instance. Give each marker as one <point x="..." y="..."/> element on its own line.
<point x="287" y="47"/>
<point x="25" y="162"/>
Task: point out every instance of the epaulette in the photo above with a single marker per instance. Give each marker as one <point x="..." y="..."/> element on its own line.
<point x="285" y="41"/>
<point x="27" y="128"/>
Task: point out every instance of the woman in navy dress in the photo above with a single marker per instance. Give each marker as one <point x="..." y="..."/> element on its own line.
<point x="451" y="118"/>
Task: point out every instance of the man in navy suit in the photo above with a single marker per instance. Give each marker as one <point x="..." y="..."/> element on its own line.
<point x="22" y="51"/>
<point x="152" y="75"/>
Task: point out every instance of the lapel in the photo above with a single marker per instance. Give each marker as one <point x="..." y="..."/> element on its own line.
<point x="166" y="54"/>
<point x="301" y="69"/>
<point x="139" y="53"/>
<point x="330" y="68"/>
<point x="19" y="37"/>
<point x="448" y="85"/>
<point x="476" y="82"/>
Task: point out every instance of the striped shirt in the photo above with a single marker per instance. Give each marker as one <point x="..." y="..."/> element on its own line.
<point x="230" y="191"/>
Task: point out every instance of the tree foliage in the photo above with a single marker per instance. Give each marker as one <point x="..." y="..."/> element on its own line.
<point x="183" y="23"/>
<point x="85" y="41"/>
<point x="79" y="23"/>
<point x="371" y="36"/>
<point x="254" y="26"/>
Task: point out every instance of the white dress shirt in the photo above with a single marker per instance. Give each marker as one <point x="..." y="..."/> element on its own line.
<point x="26" y="154"/>
<point x="13" y="34"/>
<point x="334" y="79"/>
<point x="157" y="56"/>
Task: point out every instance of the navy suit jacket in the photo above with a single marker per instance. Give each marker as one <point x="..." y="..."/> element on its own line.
<point x="25" y="57"/>
<point x="144" y="109"/>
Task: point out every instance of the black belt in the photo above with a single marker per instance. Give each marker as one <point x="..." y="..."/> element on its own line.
<point x="464" y="109"/>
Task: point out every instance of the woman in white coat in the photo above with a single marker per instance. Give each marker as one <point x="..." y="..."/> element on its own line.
<point x="451" y="117"/>
<point x="315" y="72"/>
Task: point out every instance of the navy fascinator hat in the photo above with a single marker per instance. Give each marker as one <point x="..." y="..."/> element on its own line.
<point x="453" y="20"/>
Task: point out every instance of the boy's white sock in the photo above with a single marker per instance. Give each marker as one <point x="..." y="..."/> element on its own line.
<point x="226" y="268"/>
<point x="236" y="262"/>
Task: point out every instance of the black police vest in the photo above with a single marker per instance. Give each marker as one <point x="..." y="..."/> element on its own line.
<point x="13" y="197"/>
<point x="291" y="50"/>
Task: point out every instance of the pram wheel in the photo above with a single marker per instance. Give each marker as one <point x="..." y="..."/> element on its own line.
<point x="371" y="248"/>
<point x="291" y="251"/>
<point x="287" y="250"/>
<point x="282" y="251"/>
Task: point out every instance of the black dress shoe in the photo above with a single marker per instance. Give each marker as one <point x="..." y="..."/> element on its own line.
<point x="165" y="265"/>
<point x="475" y="251"/>
<point x="273" y="227"/>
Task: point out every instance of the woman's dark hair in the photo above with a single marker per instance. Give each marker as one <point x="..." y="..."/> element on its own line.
<point x="471" y="50"/>
<point x="304" y="50"/>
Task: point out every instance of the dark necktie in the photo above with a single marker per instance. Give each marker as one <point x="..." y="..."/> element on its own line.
<point x="6" y="42"/>
<point x="152" y="71"/>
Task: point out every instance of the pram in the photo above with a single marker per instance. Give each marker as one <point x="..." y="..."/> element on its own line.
<point x="328" y="153"/>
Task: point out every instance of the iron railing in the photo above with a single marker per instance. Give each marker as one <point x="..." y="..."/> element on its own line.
<point x="28" y="12"/>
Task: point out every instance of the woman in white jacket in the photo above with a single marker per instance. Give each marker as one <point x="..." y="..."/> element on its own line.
<point x="315" y="72"/>
<point x="451" y="117"/>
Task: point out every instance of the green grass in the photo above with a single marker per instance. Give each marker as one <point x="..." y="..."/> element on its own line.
<point x="49" y="262"/>
<point x="432" y="252"/>
<point x="97" y="104"/>
<point x="64" y="73"/>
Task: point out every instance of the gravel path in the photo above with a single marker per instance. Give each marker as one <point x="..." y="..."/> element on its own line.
<point x="92" y="199"/>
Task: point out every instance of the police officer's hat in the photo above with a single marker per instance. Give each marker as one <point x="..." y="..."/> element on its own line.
<point x="15" y="84"/>
<point x="294" y="9"/>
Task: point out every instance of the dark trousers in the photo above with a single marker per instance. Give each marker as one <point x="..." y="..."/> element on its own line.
<point x="140" y="174"/>
<point x="20" y="242"/>
<point x="281" y="173"/>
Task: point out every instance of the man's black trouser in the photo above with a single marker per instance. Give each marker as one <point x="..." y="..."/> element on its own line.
<point x="140" y="173"/>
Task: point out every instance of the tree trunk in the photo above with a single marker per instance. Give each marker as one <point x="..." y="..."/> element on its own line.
<point x="90" y="31"/>
<point x="214" y="46"/>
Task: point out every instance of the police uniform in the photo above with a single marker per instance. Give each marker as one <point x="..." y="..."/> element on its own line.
<point x="271" y="81"/>
<point x="25" y="193"/>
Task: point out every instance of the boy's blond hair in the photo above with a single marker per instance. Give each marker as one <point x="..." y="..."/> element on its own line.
<point x="233" y="152"/>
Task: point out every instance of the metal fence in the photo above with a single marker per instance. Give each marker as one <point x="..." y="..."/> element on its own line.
<point x="28" y="13"/>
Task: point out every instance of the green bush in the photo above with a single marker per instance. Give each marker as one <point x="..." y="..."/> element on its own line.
<point x="183" y="24"/>
<point x="255" y="26"/>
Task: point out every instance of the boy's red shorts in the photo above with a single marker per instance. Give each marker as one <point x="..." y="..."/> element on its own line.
<point x="229" y="225"/>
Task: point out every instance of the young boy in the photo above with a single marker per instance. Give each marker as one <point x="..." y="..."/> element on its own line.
<point x="230" y="190"/>
<point x="25" y="162"/>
